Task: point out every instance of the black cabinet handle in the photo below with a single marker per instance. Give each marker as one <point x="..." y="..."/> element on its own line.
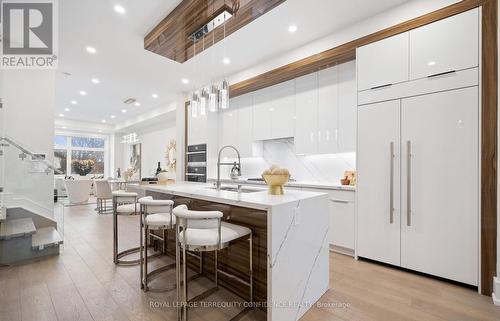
<point x="442" y="74"/>
<point x="382" y="86"/>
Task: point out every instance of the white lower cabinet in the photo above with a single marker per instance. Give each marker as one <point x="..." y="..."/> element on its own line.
<point x="418" y="183"/>
<point x="342" y="218"/>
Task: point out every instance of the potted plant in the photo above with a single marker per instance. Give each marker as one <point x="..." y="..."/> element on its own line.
<point x="83" y="167"/>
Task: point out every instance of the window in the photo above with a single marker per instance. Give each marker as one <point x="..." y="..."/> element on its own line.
<point x="60" y="141"/>
<point x="95" y="161"/>
<point x="60" y="160"/>
<point x="87" y="142"/>
<point x="79" y="155"/>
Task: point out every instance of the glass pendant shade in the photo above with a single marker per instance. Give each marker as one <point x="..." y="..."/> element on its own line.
<point x="212" y="100"/>
<point x="194" y="106"/>
<point x="203" y="102"/>
<point x="224" y="95"/>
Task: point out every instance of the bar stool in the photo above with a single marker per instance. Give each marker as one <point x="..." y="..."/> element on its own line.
<point x="103" y="193"/>
<point x="156" y="215"/>
<point x="203" y="231"/>
<point x="123" y="203"/>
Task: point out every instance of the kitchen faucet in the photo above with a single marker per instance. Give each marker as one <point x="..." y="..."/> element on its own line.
<point x="218" y="184"/>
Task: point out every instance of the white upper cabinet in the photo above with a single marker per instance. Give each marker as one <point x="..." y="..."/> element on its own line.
<point x="262" y="114"/>
<point x="197" y="129"/>
<point x="283" y="110"/>
<point x="447" y="45"/>
<point x="274" y="111"/>
<point x="383" y="62"/>
<point x="306" y="114"/>
<point x="347" y="107"/>
<point x="245" y="141"/>
<point x="228" y="128"/>
<point x="328" y="99"/>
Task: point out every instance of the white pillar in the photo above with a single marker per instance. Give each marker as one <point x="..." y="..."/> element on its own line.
<point x="180" y="120"/>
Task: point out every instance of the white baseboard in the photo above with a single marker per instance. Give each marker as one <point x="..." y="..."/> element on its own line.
<point x="496" y="291"/>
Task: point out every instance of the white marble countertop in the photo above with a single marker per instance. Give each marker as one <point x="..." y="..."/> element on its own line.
<point x="299" y="184"/>
<point x="258" y="200"/>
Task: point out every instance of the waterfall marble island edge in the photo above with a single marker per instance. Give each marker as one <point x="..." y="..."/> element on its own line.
<point x="297" y="251"/>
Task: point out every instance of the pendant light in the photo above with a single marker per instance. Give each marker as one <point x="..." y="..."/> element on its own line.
<point x="203" y="102"/>
<point x="224" y="90"/>
<point x="212" y="99"/>
<point x="224" y="95"/>
<point x="194" y="106"/>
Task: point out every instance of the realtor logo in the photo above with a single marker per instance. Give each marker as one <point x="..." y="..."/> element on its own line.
<point x="29" y="34"/>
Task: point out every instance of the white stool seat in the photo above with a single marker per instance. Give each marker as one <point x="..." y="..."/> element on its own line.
<point x="159" y="221"/>
<point x="209" y="237"/>
<point x="149" y="201"/>
<point x="128" y="208"/>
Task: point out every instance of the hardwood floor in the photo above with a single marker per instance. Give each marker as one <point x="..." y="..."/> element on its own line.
<point x="84" y="284"/>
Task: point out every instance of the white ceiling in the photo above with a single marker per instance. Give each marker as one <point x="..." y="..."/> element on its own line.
<point x="125" y="69"/>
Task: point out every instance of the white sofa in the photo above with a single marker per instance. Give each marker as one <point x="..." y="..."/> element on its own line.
<point x="78" y="190"/>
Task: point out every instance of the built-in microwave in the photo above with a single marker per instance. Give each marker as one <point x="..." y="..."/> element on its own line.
<point x="196" y="163"/>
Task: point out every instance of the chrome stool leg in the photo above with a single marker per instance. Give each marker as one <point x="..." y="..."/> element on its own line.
<point x="146" y="275"/>
<point x="117" y="256"/>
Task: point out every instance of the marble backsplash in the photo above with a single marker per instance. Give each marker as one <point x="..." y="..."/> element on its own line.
<point x="312" y="168"/>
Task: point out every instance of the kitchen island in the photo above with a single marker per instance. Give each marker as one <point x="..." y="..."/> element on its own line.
<point x="291" y="257"/>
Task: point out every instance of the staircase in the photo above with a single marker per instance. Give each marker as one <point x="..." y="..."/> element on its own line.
<point x="25" y="236"/>
<point x="28" y="230"/>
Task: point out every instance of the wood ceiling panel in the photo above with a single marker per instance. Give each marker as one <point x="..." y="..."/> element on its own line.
<point x="170" y="38"/>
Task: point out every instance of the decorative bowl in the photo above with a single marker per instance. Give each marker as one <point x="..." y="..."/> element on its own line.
<point x="275" y="183"/>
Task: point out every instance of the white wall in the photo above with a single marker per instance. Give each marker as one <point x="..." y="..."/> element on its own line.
<point x="154" y="142"/>
<point x="28" y="97"/>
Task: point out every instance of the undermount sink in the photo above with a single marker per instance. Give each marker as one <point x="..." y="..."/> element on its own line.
<point x="237" y="190"/>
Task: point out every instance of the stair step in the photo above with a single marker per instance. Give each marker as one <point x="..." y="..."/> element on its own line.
<point x="45" y="237"/>
<point x="17" y="228"/>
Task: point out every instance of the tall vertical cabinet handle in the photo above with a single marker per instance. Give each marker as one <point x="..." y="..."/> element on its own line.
<point x="391" y="188"/>
<point x="408" y="183"/>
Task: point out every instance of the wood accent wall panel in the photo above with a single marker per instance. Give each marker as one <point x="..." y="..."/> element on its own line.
<point x="170" y="37"/>
<point x="489" y="145"/>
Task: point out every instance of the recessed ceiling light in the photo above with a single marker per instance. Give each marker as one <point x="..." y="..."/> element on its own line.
<point x="431" y="63"/>
<point x="226" y="61"/>
<point x="64" y="127"/>
<point x="185" y="81"/>
<point x="103" y="121"/>
<point x="61" y="115"/>
<point x="119" y="9"/>
<point x="66" y="109"/>
<point x="95" y="81"/>
<point x="113" y="116"/>
<point x="154" y="96"/>
<point x="137" y="103"/>
<point x="99" y="131"/>
<point x="83" y="92"/>
<point x="292" y="28"/>
<point x="91" y="50"/>
<point x="124" y="111"/>
<point x="74" y="102"/>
